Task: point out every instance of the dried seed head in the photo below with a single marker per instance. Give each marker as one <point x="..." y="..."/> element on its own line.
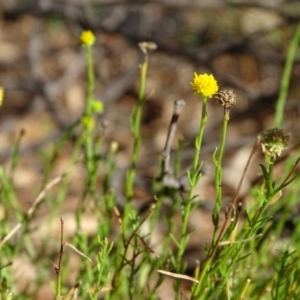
<point x="226" y="98"/>
<point x="274" y="141"/>
<point x="147" y="46"/>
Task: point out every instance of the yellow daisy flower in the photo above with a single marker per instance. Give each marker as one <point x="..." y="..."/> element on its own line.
<point x="204" y="85"/>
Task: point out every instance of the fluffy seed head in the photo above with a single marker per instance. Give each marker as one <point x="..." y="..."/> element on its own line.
<point x="274" y="141"/>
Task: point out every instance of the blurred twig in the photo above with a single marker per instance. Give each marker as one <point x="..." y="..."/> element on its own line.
<point x="166" y="175"/>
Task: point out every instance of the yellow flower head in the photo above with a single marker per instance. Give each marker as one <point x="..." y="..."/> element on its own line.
<point x="87" y="38"/>
<point x="1" y="95"/>
<point x="98" y="106"/>
<point x="114" y="147"/>
<point x="88" y="122"/>
<point x="204" y="85"/>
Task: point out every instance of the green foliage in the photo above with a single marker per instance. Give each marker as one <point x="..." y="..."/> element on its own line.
<point x="242" y="261"/>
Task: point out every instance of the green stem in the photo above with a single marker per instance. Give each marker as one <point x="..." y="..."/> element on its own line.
<point x="91" y="80"/>
<point x="58" y="285"/>
<point x="218" y="174"/>
<point x="136" y="125"/>
<point x="199" y="138"/>
<point x="270" y="178"/>
<point x="284" y="85"/>
<point x="136" y="120"/>
<point x="89" y="114"/>
<point x="194" y="178"/>
<point x="218" y="188"/>
<point x="143" y="80"/>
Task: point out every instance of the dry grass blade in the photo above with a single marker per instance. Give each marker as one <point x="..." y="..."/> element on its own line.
<point x="292" y="171"/>
<point x="77" y="251"/>
<point x="32" y="209"/>
<point x="72" y="291"/>
<point x="55" y="266"/>
<point x="118" y="215"/>
<point x="105" y="289"/>
<point x="100" y="290"/>
<point x="181" y="276"/>
<point x="224" y="243"/>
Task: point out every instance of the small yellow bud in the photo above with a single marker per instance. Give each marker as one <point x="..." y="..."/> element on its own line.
<point x="98" y="106"/>
<point x="114" y="147"/>
<point x="87" y="38"/>
<point x="88" y="123"/>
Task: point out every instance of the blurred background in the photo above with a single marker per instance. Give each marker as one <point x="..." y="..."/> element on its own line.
<point x="43" y="71"/>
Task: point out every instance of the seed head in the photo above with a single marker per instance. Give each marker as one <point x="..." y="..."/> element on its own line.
<point x="226" y="98"/>
<point x="274" y="141"/>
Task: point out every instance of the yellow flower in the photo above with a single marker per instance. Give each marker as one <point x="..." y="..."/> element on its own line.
<point x="114" y="147"/>
<point x="204" y="85"/>
<point x="98" y="106"/>
<point x="1" y="95"/>
<point x="87" y="38"/>
<point x="88" y="122"/>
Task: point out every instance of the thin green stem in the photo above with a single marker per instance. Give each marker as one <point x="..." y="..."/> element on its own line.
<point x="89" y="116"/>
<point x="143" y="80"/>
<point x="194" y="177"/>
<point x="218" y="173"/>
<point x="285" y="80"/>
<point x="91" y="80"/>
<point x="136" y="124"/>
<point x="216" y="213"/>
<point x="58" y="270"/>
<point x="136" y="120"/>
<point x="270" y="187"/>
<point x="199" y="138"/>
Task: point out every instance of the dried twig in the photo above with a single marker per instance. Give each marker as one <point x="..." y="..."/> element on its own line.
<point x="72" y="291"/>
<point x="181" y="276"/>
<point x="166" y="175"/>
